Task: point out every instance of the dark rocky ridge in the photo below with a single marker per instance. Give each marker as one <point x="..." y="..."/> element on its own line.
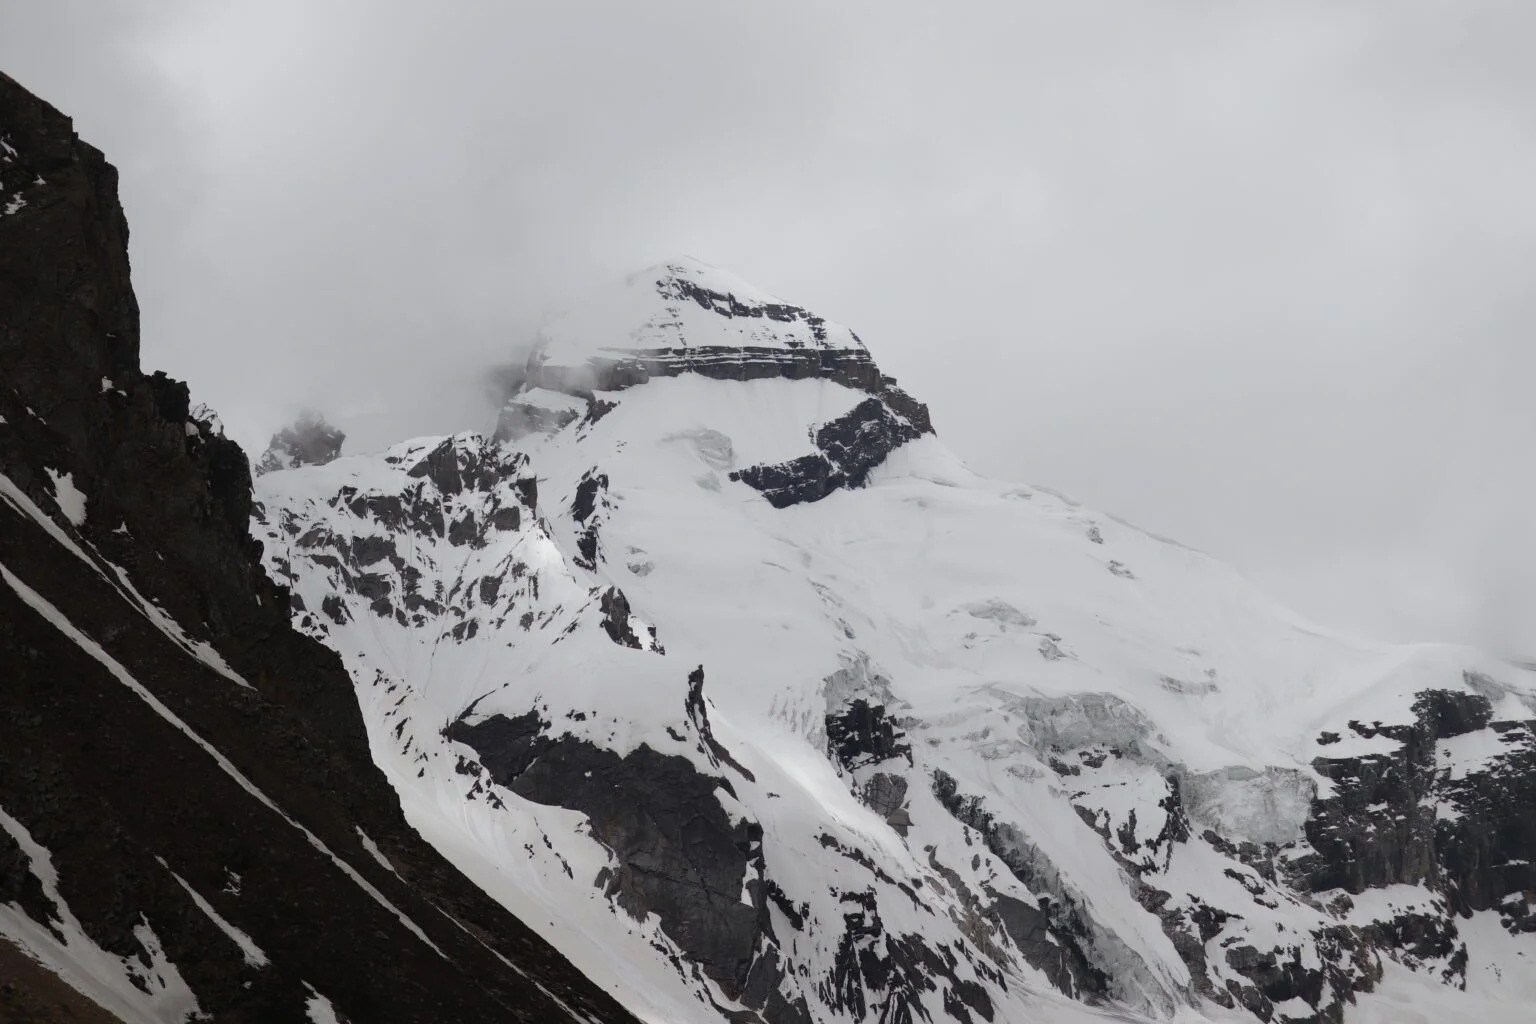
<point x="1383" y="825"/>
<point x="852" y="367"/>
<point x="863" y="734"/>
<point x="625" y="368"/>
<point x="1412" y="815"/>
<point x="1052" y="936"/>
<point x="848" y="449"/>
<point x="724" y="303"/>
<point x="108" y="785"/>
<point x="679" y="854"/>
<point x="1400" y="817"/>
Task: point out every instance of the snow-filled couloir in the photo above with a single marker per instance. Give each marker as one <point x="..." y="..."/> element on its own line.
<point x="720" y="670"/>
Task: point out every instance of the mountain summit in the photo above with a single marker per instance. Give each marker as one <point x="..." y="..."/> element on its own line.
<point x="686" y="305"/>
<point x="718" y="667"/>
<point x="687" y="319"/>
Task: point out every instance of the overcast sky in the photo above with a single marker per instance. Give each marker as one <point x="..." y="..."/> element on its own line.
<point x="1258" y="276"/>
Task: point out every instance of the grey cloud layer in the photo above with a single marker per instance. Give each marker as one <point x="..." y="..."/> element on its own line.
<point x="1256" y="276"/>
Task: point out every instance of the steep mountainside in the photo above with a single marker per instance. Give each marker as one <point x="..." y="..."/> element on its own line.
<point x="191" y="827"/>
<point x="720" y="669"/>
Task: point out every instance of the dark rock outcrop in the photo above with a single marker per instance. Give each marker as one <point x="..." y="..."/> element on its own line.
<point x="1399" y="817"/>
<point x="307" y="441"/>
<point x="619" y="626"/>
<point x="728" y="305"/>
<point x="1052" y="937"/>
<point x="848" y="448"/>
<point x="900" y="967"/>
<point x="455" y="466"/>
<point x="678" y="853"/>
<point x="591" y="496"/>
<point x="862" y="734"/>
<point x="147" y="765"/>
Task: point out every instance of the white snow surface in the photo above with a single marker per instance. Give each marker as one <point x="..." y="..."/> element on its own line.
<point x="375" y="852"/>
<point x="1500" y="984"/>
<point x="318" y="1008"/>
<point x="651" y="312"/>
<point x="147" y="990"/>
<point x="70" y="499"/>
<point x="204" y="414"/>
<point x="252" y="953"/>
<point x="551" y="401"/>
<point x="1003" y="628"/>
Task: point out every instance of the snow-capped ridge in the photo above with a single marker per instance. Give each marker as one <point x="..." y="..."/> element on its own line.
<point x="685" y="303"/>
<point x="967" y="744"/>
<point x="686" y="319"/>
<point x="965" y="747"/>
<point x="666" y="275"/>
<point x="679" y="317"/>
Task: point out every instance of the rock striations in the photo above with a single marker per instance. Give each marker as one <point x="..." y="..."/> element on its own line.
<point x="191" y="826"/>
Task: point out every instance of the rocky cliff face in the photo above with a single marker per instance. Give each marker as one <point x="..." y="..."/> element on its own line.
<point x="741" y="680"/>
<point x="307" y="441"/>
<point x="191" y="825"/>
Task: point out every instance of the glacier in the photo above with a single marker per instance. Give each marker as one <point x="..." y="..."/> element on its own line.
<point x="715" y="666"/>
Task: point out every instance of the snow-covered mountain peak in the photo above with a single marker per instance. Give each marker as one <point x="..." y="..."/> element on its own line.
<point x="853" y="733"/>
<point x="684" y="304"/>
<point x="820" y="414"/>
<point x="689" y="275"/>
<point x="685" y="316"/>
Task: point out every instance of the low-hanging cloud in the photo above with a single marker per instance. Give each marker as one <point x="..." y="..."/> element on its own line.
<point x="1255" y="276"/>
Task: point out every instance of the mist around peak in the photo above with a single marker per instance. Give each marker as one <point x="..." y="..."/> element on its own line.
<point x="310" y="440"/>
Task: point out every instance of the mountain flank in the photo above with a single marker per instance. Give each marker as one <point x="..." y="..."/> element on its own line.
<point x="191" y="825"/>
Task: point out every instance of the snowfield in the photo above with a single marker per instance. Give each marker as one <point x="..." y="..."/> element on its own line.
<point x="986" y="754"/>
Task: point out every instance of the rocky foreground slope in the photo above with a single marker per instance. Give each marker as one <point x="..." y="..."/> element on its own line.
<point x="719" y="668"/>
<point x="191" y="827"/>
